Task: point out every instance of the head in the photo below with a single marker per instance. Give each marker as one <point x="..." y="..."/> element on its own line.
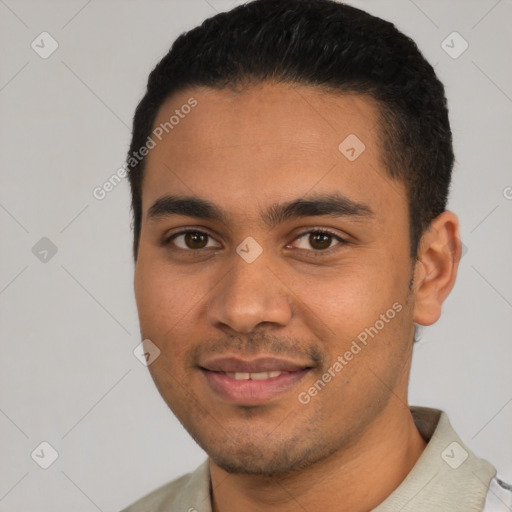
<point x="332" y="47"/>
<point x="260" y="126"/>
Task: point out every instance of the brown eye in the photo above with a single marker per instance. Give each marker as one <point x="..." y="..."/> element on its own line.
<point x="318" y="240"/>
<point x="195" y="240"/>
<point x="191" y="240"/>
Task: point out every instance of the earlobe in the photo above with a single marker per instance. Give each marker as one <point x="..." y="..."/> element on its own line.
<point x="435" y="271"/>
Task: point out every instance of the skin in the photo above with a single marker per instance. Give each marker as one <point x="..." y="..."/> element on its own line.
<point x="245" y="151"/>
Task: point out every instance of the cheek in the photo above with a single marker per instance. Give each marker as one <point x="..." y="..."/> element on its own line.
<point x="363" y="302"/>
<point x="166" y="308"/>
<point x="163" y="299"/>
<point x="354" y="292"/>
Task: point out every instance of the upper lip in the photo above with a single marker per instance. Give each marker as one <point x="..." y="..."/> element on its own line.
<point x="255" y="365"/>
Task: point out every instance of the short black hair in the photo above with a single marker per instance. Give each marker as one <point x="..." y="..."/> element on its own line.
<point x="325" y="44"/>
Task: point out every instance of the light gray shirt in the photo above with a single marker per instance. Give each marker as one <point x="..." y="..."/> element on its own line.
<point x="448" y="477"/>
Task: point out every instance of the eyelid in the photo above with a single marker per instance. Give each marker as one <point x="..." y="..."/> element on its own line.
<point x="341" y="240"/>
<point x="183" y="231"/>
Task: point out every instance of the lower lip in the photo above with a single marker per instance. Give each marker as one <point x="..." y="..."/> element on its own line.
<point x="251" y="392"/>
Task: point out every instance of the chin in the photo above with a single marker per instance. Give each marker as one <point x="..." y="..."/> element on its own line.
<point x="268" y="461"/>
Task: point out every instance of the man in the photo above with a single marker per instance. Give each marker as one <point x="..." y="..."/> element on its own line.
<point x="289" y="167"/>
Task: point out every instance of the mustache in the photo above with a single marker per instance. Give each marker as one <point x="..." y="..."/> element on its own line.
<point x="262" y="343"/>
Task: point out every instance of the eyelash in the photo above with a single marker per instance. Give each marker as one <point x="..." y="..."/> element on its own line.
<point x="315" y="253"/>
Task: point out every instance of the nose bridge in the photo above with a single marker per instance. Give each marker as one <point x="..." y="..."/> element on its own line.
<point x="250" y="294"/>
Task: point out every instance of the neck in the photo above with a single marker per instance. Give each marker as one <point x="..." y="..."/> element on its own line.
<point x="356" y="480"/>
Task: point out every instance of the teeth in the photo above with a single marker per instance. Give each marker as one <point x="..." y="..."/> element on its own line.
<point x="254" y="376"/>
<point x="260" y="376"/>
<point x="241" y="376"/>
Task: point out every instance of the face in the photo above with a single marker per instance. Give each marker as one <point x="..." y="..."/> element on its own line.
<point x="273" y="273"/>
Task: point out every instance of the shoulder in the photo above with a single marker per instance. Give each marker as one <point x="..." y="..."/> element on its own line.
<point x="190" y="492"/>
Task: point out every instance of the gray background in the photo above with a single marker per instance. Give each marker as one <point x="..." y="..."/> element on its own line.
<point x="69" y="326"/>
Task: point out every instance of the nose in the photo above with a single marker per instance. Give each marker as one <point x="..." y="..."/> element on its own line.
<point x="249" y="295"/>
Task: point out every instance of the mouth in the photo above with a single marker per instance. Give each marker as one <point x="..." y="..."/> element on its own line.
<point x="252" y="382"/>
<point x="254" y="375"/>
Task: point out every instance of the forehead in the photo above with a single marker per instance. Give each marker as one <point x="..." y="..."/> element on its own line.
<point x="266" y="142"/>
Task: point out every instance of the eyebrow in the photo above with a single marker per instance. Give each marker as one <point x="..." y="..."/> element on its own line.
<point x="332" y="205"/>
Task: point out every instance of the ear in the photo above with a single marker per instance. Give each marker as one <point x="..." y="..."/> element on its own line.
<point x="436" y="267"/>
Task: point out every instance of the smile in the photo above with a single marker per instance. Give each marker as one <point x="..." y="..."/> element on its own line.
<point x="254" y="376"/>
<point x="252" y="382"/>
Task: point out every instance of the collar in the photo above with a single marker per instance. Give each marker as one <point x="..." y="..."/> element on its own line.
<point x="447" y="477"/>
